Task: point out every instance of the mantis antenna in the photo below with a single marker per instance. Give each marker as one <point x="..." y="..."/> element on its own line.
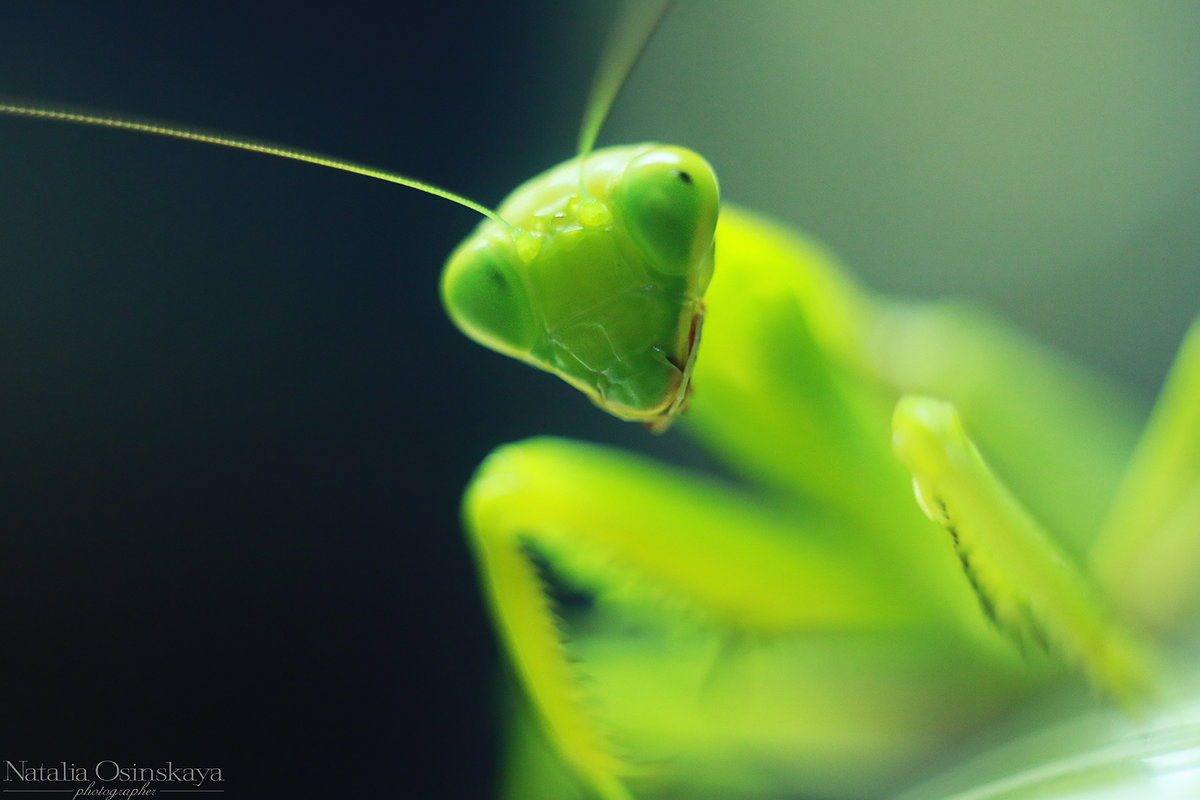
<point x="626" y="44"/>
<point x="633" y="31"/>
<point x="238" y="143"/>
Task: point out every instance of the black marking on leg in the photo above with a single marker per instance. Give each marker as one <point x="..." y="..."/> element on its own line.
<point x="1035" y="629"/>
<point x="986" y="603"/>
<point x="1019" y="623"/>
<point x="566" y="599"/>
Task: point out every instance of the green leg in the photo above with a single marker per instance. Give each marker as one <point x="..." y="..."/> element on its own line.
<point x="629" y="531"/>
<point x="1023" y="579"/>
<point x="1148" y="555"/>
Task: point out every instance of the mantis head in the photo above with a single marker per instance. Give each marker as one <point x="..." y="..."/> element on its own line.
<point x="599" y="276"/>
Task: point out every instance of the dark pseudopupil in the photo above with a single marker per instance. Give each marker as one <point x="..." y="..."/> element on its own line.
<point x="498" y="279"/>
<point x="683" y="176"/>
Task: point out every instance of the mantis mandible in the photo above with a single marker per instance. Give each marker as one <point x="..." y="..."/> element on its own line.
<point x="822" y="347"/>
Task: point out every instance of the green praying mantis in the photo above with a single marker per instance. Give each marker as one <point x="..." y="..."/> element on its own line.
<point x="824" y="632"/>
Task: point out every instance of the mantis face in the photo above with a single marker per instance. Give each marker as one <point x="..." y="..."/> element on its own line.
<point x="602" y="278"/>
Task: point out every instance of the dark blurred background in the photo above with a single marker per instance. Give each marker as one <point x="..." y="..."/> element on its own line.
<point x="234" y="422"/>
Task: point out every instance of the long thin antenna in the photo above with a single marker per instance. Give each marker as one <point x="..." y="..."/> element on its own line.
<point x="209" y="137"/>
<point x="631" y="34"/>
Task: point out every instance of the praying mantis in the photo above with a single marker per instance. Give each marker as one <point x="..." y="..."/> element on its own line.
<point x="717" y="670"/>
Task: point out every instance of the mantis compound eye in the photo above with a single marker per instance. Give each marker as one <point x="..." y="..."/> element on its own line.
<point x="486" y="297"/>
<point x="669" y="202"/>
